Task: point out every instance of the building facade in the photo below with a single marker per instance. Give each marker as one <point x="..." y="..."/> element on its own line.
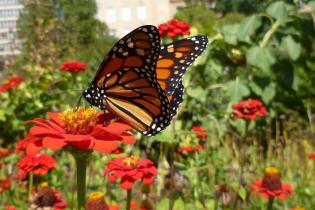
<point x="9" y="13"/>
<point x="122" y="16"/>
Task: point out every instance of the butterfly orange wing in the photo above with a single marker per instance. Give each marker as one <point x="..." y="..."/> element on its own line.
<point x="173" y="61"/>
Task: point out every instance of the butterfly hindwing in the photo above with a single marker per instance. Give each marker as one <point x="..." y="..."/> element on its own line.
<point x="175" y="58"/>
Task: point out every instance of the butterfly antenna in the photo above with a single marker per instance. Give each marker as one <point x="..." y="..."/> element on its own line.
<point x="105" y="117"/>
<point x="78" y="104"/>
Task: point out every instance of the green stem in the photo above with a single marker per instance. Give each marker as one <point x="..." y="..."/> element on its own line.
<point x="30" y="184"/>
<point x="81" y="163"/>
<point x="269" y="33"/>
<point x="128" y="199"/>
<point x="270" y="203"/>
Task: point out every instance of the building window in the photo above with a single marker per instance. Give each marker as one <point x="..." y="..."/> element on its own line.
<point x="141" y="12"/>
<point x="126" y="14"/>
<point x="110" y="16"/>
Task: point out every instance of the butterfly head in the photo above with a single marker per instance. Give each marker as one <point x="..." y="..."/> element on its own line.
<point x="95" y="96"/>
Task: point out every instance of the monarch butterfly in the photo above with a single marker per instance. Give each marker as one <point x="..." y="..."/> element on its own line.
<point x="141" y="82"/>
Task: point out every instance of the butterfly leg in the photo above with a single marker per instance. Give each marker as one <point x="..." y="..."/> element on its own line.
<point x="78" y="104"/>
<point x="104" y="117"/>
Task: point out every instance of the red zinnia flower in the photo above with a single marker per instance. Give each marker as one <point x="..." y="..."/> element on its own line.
<point x="4" y="152"/>
<point x="174" y="28"/>
<point x="96" y="201"/>
<point x="73" y="66"/>
<point x="9" y="207"/>
<point x="129" y="169"/>
<point x="11" y="83"/>
<point x="249" y="109"/>
<point x="82" y="128"/>
<point x="190" y="149"/>
<point x="39" y="164"/>
<point x="46" y="197"/>
<point x="133" y="206"/>
<point x="311" y="156"/>
<point x="5" y="184"/>
<point x="201" y="132"/>
<point x="271" y="185"/>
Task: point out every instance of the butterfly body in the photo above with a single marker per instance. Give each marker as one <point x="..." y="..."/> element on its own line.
<point x="136" y="83"/>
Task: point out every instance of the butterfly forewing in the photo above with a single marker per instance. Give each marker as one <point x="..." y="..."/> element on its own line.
<point x="126" y="82"/>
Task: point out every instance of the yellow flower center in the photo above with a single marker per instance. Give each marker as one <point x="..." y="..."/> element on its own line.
<point x="271" y="171"/>
<point x="43" y="184"/>
<point x="132" y="160"/>
<point x="79" y="121"/>
<point x="96" y="196"/>
<point x="298" y="208"/>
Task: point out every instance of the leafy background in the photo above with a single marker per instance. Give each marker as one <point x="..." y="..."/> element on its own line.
<point x="257" y="49"/>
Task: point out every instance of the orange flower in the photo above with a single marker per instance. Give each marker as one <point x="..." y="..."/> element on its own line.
<point x="38" y="164"/>
<point x="73" y="66"/>
<point x="129" y="170"/>
<point x="82" y="129"/>
<point x="297" y="208"/>
<point x="271" y="185"/>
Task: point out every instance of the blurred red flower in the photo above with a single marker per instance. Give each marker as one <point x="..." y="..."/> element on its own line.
<point x="45" y="197"/>
<point x="21" y="145"/>
<point x="96" y="201"/>
<point x="129" y="170"/>
<point x="271" y="185"/>
<point x="311" y="156"/>
<point x="82" y="129"/>
<point x="190" y="149"/>
<point x="73" y="66"/>
<point x="5" y="184"/>
<point x="11" y="83"/>
<point x="114" y="207"/>
<point x="9" y="207"/>
<point x="133" y="206"/>
<point x="174" y="28"/>
<point x="118" y="150"/>
<point x="297" y="208"/>
<point x="201" y="132"/>
<point x="249" y="109"/>
<point x="39" y="164"/>
<point x="5" y="152"/>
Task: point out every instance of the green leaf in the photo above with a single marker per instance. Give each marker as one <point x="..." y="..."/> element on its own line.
<point x="197" y="93"/>
<point x="278" y="10"/>
<point x="260" y="57"/>
<point x="247" y="27"/>
<point x="290" y="46"/>
<point x="230" y="33"/>
<point x="237" y="91"/>
<point x="179" y="204"/>
<point x="242" y="193"/>
<point x="269" y="93"/>
<point x="163" y="204"/>
<point x="311" y="4"/>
